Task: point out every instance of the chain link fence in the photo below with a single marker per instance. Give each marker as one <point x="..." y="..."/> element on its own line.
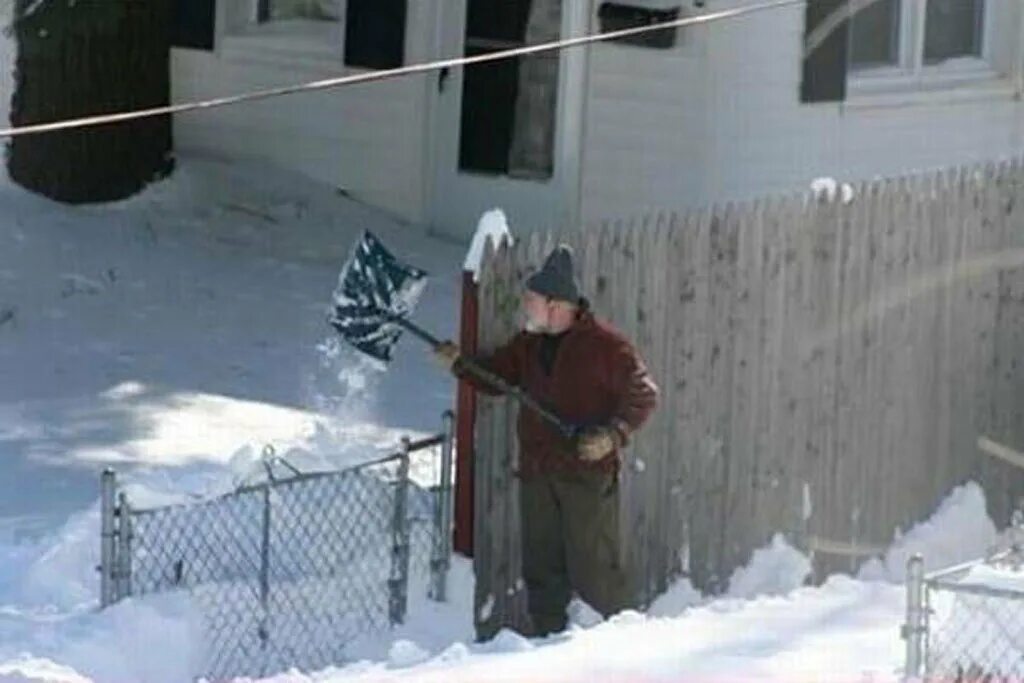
<point x="291" y="572"/>
<point x="966" y="623"/>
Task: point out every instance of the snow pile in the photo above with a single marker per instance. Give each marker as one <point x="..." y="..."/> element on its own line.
<point x="152" y="640"/>
<point x="680" y="596"/>
<point x="959" y="531"/>
<point x="828" y="189"/>
<point x="774" y="570"/>
<point x="492" y="226"/>
<point x="430" y="627"/>
<point x="825" y="188"/>
<point x="582" y="614"/>
<point x="26" y="668"/>
<point x="842" y="631"/>
<point x="50" y="629"/>
<point x="55" y="573"/>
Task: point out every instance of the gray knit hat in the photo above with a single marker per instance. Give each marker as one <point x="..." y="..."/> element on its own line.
<point x="555" y="279"/>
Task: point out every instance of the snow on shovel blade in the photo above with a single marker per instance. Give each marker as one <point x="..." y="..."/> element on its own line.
<point x="374" y="288"/>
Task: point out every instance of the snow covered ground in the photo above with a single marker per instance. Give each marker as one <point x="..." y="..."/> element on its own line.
<point x="175" y="328"/>
<point x="174" y="335"/>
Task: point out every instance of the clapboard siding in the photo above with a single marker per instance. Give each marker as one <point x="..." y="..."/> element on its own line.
<point x="644" y="120"/>
<point x="368" y="140"/>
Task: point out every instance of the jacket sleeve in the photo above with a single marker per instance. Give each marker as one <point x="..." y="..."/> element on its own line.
<point x="636" y="391"/>
<point x="506" y="362"/>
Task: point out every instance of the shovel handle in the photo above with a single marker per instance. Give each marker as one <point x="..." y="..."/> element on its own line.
<point x="567" y="430"/>
<point x="518" y="394"/>
<point x="417" y="331"/>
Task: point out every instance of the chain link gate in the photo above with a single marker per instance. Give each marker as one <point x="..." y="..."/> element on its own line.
<point x="290" y="572"/>
<point x="966" y="623"/>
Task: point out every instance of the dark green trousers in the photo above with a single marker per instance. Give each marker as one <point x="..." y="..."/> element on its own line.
<point x="570" y="530"/>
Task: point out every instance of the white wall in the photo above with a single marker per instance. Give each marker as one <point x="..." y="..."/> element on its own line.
<point x="366" y="140"/>
<point x="369" y="140"/>
<point x="644" y="127"/>
<point x="720" y="118"/>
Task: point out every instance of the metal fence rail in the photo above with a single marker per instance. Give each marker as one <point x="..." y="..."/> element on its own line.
<point x="966" y="623"/>
<point x="292" y="572"/>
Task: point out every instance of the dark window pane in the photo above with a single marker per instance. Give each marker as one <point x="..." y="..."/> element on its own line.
<point x="533" y="131"/>
<point x="825" y="64"/>
<point x="614" y="16"/>
<point x="953" y="29"/>
<point x="508" y="107"/>
<point x="193" y="24"/>
<point x="875" y="35"/>
<point x="488" y="107"/>
<point x="375" y="33"/>
<point x="317" y="10"/>
<point x="500" y="20"/>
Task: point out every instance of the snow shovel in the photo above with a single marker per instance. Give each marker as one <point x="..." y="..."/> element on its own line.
<point x="375" y="296"/>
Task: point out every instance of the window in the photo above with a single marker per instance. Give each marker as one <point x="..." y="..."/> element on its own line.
<point x="312" y="10"/>
<point x="367" y="33"/>
<point x="909" y="35"/>
<point x="953" y="28"/>
<point x="615" y="16"/>
<point x="888" y="47"/>
<point x="508" y="106"/>
<point x="193" y="24"/>
<point x="375" y="33"/>
<point x="875" y="35"/>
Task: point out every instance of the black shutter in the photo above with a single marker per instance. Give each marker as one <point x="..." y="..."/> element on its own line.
<point x="824" y="66"/>
<point x="193" y="23"/>
<point x="375" y="33"/>
<point x="614" y="16"/>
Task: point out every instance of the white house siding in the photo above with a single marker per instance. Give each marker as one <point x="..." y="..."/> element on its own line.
<point x="368" y="140"/>
<point x="8" y="54"/>
<point x="720" y="118"/>
<point x="644" y="127"/>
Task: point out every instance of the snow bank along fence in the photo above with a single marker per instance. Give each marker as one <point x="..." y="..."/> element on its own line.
<point x="827" y="366"/>
<point x="291" y="572"/>
<point x="966" y="623"/>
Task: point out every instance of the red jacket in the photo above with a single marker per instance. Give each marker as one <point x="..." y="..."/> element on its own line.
<point x="597" y="379"/>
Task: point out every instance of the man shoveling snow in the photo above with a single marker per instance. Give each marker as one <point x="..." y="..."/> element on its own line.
<point x="590" y="375"/>
<point x="584" y="390"/>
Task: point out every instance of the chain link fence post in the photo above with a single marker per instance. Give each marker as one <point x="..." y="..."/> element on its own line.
<point x="399" y="577"/>
<point x="440" y="560"/>
<point x="264" y="577"/>
<point x="108" y="559"/>
<point x="123" y="585"/>
<point x="914" y="630"/>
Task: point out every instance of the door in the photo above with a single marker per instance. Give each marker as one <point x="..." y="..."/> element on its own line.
<point x="507" y="132"/>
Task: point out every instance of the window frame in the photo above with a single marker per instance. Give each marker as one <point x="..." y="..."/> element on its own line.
<point x="903" y="35"/>
<point x="913" y="74"/>
<point x="242" y="36"/>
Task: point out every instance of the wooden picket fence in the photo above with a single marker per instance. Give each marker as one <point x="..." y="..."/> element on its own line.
<point x="826" y="369"/>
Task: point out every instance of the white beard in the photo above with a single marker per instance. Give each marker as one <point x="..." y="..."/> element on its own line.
<point x="534" y="327"/>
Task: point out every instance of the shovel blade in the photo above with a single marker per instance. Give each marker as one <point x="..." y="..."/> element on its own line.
<point x="374" y="290"/>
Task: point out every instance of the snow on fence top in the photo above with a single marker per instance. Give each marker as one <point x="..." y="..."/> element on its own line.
<point x="493" y="225"/>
